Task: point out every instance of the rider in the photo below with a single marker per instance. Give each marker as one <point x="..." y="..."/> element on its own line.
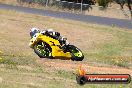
<point x="49" y="32"/>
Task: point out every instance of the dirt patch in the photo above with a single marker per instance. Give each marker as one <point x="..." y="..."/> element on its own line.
<point x="25" y="67"/>
<point x="72" y="66"/>
<point x="1" y="80"/>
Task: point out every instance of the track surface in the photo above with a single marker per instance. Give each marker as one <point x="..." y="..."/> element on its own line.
<point x="84" y="18"/>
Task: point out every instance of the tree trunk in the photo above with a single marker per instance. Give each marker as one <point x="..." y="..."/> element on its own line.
<point x="129" y="7"/>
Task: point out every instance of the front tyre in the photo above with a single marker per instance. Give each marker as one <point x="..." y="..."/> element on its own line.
<point x="76" y="53"/>
<point x="43" y="50"/>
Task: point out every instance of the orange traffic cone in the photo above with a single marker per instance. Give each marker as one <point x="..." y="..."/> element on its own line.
<point x="81" y="71"/>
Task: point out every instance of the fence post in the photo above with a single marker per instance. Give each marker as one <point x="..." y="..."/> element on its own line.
<point x="81" y="5"/>
<point x="47" y="2"/>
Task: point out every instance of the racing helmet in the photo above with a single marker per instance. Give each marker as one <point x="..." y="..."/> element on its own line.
<point x="33" y="31"/>
<point x="50" y="30"/>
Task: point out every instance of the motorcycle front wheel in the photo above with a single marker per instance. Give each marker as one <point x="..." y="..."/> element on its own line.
<point x="76" y="53"/>
<point x="43" y="50"/>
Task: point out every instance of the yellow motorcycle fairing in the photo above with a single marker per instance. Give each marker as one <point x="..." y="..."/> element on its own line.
<point x="54" y="44"/>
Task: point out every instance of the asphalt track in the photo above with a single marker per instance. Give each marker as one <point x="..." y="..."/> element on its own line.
<point x="123" y="23"/>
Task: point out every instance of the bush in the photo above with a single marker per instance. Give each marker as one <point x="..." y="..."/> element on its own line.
<point x="33" y="1"/>
<point x="103" y="3"/>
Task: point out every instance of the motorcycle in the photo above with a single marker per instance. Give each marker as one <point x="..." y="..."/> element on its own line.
<point x="47" y="47"/>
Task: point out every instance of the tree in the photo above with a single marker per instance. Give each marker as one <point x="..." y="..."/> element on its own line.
<point x="105" y="3"/>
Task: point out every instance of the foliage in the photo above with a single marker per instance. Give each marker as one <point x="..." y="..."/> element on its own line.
<point x="33" y="1"/>
<point x="103" y="3"/>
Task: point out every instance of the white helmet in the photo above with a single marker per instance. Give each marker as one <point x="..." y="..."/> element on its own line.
<point x="33" y="31"/>
<point x="50" y="30"/>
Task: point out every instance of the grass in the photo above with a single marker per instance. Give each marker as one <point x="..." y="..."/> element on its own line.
<point x="29" y="79"/>
<point x="117" y="50"/>
<point x="20" y="67"/>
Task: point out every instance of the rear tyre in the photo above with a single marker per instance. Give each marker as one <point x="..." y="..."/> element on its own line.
<point x="76" y="53"/>
<point x="43" y="50"/>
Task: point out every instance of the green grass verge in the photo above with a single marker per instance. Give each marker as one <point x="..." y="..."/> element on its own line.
<point x="115" y="52"/>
